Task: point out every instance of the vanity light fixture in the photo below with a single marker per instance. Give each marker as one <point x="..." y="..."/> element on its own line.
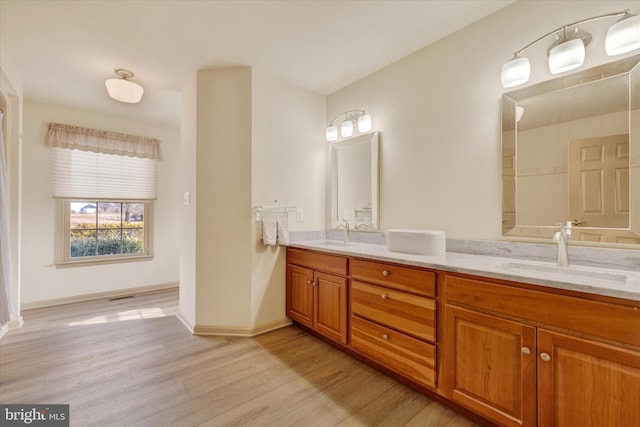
<point x="568" y="51"/>
<point x="349" y="118"/>
<point x="122" y="89"/>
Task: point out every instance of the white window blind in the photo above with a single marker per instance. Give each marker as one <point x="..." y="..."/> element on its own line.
<point x="85" y="167"/>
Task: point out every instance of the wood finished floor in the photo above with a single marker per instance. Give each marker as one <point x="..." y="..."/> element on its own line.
<point x="132" y="362"/>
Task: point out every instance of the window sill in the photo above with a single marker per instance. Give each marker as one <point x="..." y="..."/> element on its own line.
<point x="101" y="261"/>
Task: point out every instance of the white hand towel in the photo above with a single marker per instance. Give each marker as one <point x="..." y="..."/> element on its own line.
<point x="269" y="232"/>
<point x="283" y="231"/>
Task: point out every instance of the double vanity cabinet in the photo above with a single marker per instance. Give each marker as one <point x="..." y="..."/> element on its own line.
<point x="515" y="354"/>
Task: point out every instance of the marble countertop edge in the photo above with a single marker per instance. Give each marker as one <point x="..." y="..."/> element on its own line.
<point x="592" y="280"/>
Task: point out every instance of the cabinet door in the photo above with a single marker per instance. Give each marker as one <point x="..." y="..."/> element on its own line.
<point x="330" y="315"/>
<point x="300" y="294"/>
<point x="586" y="383"/>
<point x="489" y="366"/>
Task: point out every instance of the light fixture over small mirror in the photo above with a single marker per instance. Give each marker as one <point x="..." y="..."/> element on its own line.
<point x="568" y="51"/>
<point x="122" y="89"/>
<point x="349" y="118"/>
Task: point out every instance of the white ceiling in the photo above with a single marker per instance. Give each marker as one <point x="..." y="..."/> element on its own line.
<point x="64" y="50"/>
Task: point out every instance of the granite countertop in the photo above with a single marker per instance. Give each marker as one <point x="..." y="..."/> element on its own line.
<point x="600" y="281"/>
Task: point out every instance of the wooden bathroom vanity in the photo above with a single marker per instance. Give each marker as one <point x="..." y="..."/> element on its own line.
<point x="513" y="353"/>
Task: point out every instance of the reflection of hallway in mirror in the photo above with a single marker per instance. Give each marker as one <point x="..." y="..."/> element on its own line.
<point x="599" y="187"/>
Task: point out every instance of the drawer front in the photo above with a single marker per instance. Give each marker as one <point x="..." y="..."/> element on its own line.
<point x="408" y="279"/>
<point x="406" y="355"/>
<point x="318" y="261"/>
<point x="594" y="318"/>
<point x="407" y="313"/>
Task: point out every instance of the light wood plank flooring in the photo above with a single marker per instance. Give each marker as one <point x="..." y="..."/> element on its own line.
<point x="132" y="362"/>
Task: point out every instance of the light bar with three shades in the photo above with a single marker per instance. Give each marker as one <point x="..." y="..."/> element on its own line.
<point x="568" y="50"/>
<point x="349" y="118"/>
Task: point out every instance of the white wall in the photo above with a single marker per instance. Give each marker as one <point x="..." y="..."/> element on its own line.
<point x="187" y="237"/>
<point x="41" y="280"/>
<point x="223" y="197"/>
<point x="438" y="111"/>
<point x="288" y="165"/>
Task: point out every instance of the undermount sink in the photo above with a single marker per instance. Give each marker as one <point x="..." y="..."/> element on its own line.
<point x="549" y="269"/>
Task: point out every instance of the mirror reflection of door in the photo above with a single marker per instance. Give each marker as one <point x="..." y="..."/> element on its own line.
<point x="508" y="189"/>
<point x="599" y="181"/>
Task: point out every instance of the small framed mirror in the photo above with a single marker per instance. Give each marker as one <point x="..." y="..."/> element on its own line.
<point x="354" y="182"/>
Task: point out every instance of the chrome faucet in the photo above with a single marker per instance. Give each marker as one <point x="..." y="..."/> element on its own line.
<point x="345" y="229"/>
<point x="562" y="237"/>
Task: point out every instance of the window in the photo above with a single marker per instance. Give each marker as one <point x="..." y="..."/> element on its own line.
<point x="105" y="230"/>
<point x="105" y="184"/>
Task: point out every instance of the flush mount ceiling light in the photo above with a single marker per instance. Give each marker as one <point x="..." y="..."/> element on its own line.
<point x="568" y="50"/>
<point x="123" y="89"/>
<point x="349" y="118"/>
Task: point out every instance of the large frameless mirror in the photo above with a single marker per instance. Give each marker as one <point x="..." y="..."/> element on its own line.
<point x="354" y="183"/>
<point x="571" y="152"/>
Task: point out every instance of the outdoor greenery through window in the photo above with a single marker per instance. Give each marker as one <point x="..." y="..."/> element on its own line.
<point x="101" y="228"/>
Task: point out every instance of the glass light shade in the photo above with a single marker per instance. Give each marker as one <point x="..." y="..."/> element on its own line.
<point x="331" y="133"/>
<point x="623" y="36"/>
<point x="124" y="90"/>
<point x="346" y="128"/>
<point x="364" y="123"/>
<point x="516" y="72"/>
<point x="566" y="56"/>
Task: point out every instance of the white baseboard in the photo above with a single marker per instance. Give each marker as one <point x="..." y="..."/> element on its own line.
<point x="185" y="322"/>
<point x="240" y="332"/>
<point x="14" y="323"/>
<point x="99" y="295"/>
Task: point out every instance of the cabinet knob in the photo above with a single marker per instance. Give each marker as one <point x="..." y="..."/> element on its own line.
<point x="313" y="283"/>
<point x="545" y="357"/>
<point x="526" y="351"/>
<point x="308" y="282"/>
<point x="385" y="272"/>
<point x="385" y="336"/>
<point x="383" y="296"/>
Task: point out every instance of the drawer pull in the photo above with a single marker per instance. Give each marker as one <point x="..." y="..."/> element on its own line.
<point x="385" y="273"/>
<point x="384" y="296"/>
<point x="545" y="357"/>
<point x="385" y="336"/>
<point x="526" y="351"/>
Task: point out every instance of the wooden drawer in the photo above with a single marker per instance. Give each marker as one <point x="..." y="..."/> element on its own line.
<point x="317" y="261"/>
<point x="593" y="318"/>
<point x="407" y="313"/>
<point x="408" y="356"/>
<point x="407" y="279"/>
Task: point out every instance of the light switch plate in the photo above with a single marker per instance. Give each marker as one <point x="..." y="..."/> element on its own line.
<point x="299" y="215"/>
<point x="187" y="198"/>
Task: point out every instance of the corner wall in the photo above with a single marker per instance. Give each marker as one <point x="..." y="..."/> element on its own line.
<point x="248" y="139"/>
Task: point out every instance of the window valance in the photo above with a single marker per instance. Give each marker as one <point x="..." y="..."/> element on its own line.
<point x="100" y="141"/>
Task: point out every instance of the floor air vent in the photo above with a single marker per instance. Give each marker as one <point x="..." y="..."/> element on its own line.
<point x="122" y="297"/>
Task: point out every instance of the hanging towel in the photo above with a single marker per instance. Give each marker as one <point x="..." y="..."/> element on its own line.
<point x="269" y="232"/>
<point x="283" y="231"/>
